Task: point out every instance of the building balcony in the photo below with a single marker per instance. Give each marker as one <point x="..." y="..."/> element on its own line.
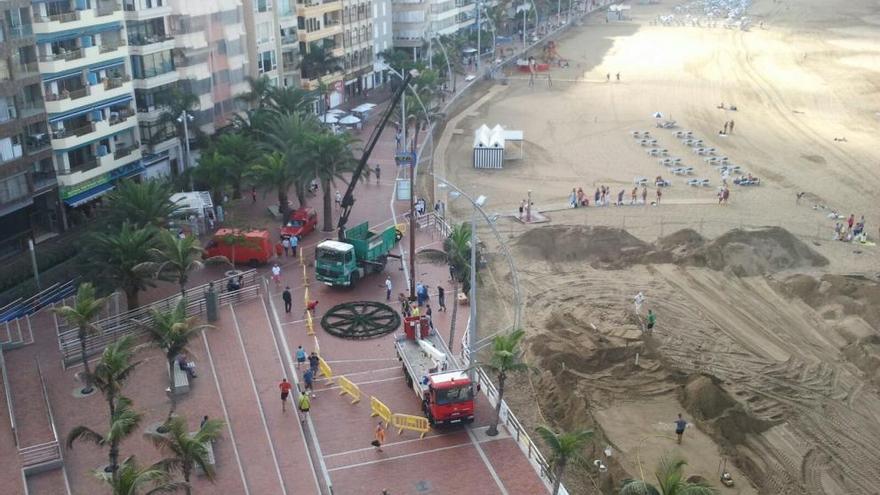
<point x="44" y="180"/>
<point x="290" y="39"/>
<point x="22" y="31"/>
<point x="317" y="8"/>
<point x="125" y="150"/>
<point x="146" y="46"/>
<point x="325" y="32"/>
<point x="76" y="20"/>
<point x="312" y="84"/>
<point x="25" y="70"/>
<point x="156" y="80"/>
<point x="97" y="166"/>
<point x="132" y="13"/>
<point x="36" y="143"/>
<point x="90" y="95"/>
<point x="80" y="57"/>
<point x="71" y="138"/>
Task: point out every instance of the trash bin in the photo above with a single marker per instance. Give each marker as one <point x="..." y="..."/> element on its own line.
<point x="211" y="303"/>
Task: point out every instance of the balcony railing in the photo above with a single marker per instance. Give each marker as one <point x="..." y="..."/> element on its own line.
<point x="30" y="108"/>
<point x="65" y="55"/>
<point x="137" y="40"/>
<point x="64" y="17"/>
<point x="36" y="142"/>
<point x="289" y="38"/>
<point x="44" y="179"/>
<point x="109" y="47"/>
<point x="119" y="117"/>
<point x="65" y="94"/>
<point x="115" y="82"/>
<point x="76" y="131"/>
<point x="108" y="8"/>
<point x="125" y="150"/>
<point x="85" y="166"/>
<point x="25" y="69"/>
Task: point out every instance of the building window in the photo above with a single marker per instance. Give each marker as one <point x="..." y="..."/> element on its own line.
<point x="144" y="66"/>
<point x="266" y="62"/>
<point x="263" y="5"/>
<point x="13" y="188"/>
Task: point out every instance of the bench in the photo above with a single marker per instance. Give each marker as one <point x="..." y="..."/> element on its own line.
<point x="181" y="380"/>
<point x="209" y="448"/>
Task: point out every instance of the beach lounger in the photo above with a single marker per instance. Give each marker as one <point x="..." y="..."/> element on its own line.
<point x="711" y="159"/>
<point x="666" y="162"/>
<point x="640" y="181"/>
<point x="679" y="134"/>
<point x="682" y="170"/>
<point x="676" y="161"/>
<point x="698" y="182"/>
<point x="637" y="134"/>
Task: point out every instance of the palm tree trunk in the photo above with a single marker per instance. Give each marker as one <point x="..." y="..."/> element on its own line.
<point x="236" y="189"/>
<point x="493" y="428"/>
<point x="131" y="297"/>
<point x="87" y="372"/>
<point x="173" y="395"/>
<point x="558" y="472"/>
<point x="114" y="445"/>
<point x="182" y="283"/>
<point x="282" y="201"/>
<point x="454" y="303"/>
<point x="328" y="206"/>
<point x="187" y="472"/>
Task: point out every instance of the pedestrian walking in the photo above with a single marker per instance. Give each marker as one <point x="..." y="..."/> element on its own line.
<point x="276" y="274"/>
<point x="522" y="207"/>
<point x="204" y="420"/>
<point x="288" y="299"/>
<point x="441" y="299"/>
<point x="645" y="195"/>
<point x="300" y="357"/>
<point x="659" y="195"/>
<point x="285" y="244"/>
<point x="680" y="425"/>
<point x="572" y="199"/>
<point x="650" y="321"/>
<point x="430" y="315"/>
<point x="725" y="128"/>
<point x="379" y="437"/>
<point x="725" y="195"/>
<point x="632" y="199"/>
<point x="294" y="244"/>
<point x="731" y="126"/>
<point x="254" y="194"/>
<point x="308" y="379"/>
<point x="608" y="77"/>
<point x="314" y="362"/>
<point x="338" y="199"/>
<point x="618" y="77"/>
<point x="285" y="387"/>
<point x="388" y="288"/>
<point x="620" y="197"/>
<point x="378" y="173"/>
<point x="304" y="405"/>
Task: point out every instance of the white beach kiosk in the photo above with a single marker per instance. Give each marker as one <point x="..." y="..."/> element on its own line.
<point x="492" y="146"/>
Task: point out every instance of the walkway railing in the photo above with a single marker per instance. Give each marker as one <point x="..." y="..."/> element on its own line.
<point x="134" y="322"/>
<point x="10" y="405"/>
<point x="47" y="455"/>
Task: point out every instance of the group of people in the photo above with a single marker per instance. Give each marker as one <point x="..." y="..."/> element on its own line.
<point x="304" y="400"/>
<point x="723" y="194"/>
<point x="851" y="230"/>
<point x="727" y="129"/>
<point x="604" y="197"/>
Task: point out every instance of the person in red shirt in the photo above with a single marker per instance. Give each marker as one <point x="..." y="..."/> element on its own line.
<point x="285" y="387"/>
<point x="310" y="307"/>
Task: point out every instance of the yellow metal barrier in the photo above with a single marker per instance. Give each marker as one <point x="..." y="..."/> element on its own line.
<point x="378" y="408"/>
<point x="409" y="422"/>
<point x="325" y="369"/>
<point x="310" y="324"/>
<point x="349" y="388"/>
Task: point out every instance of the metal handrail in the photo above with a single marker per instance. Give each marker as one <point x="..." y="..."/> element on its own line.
<point x="10" y="406"/>
<point x="46" y="398"/>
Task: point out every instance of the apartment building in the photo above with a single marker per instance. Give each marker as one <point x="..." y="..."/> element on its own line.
<point x="319" y="23"/>
<point x="416" y="21"/>
<point x="85" y="80"/>
<point x="288" y="44"/>
<point x="29" y="206"/>
<point x="383" y="39"/>
<point x="211" y="57"/>
<point x="357" y="46"/>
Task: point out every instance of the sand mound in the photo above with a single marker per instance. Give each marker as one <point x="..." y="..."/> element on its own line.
<point x="683" y="240"/>
<point x="705" y="399"/>
<point x="755" y="252"/>
<point x="611" y="248"/>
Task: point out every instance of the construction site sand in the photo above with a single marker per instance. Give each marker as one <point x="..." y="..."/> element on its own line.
<point x="760" y="339"/>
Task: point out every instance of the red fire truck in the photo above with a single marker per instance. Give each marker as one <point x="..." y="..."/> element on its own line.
<point x="447" y="395"/>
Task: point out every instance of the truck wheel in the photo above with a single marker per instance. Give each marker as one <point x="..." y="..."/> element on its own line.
<point x="355" y="276"/>
<point x="253" y="262"/>
<point x="382" y="261"/>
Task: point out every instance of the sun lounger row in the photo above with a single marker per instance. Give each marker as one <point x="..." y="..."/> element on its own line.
<point x="641" y="134"/>
<point x="669" y="162"/>
<point x="684" y="134"/>
<point x="698" y="182"/>
<point x="658" y="152"/>
<point x="682" y="170"/>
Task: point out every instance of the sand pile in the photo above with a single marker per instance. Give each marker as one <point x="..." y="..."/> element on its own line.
<point x="740" y="252"/>
<point x="602" y="246"/>
<point x="755" y="252"/>
<point x="838" y="296"/>
<point x="705" y="399"/>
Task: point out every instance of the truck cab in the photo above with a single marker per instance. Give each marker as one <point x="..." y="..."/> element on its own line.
<point x="300" y="223"/>
<point x="449" y="398"/>
<point x="336" y="264"/>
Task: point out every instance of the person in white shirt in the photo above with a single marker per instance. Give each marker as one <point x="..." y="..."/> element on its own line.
<point x="388" y="288"/>
<point x="276" y="274"/>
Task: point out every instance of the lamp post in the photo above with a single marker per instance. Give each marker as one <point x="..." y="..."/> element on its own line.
<point x="472" y="328"/>
<point x="479" y="36"/>
<point x="185" y="118"/>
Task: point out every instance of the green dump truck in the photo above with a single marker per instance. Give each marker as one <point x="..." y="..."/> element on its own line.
<point x="343" y="263"/>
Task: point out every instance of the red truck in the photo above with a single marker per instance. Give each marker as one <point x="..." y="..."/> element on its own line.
<point x="300" y="223"/>
<point x="447" y="395"/>
<point x="252" y="247"/>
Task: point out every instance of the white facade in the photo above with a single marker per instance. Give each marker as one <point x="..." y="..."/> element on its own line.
<point x="383" y="38"/>
<point x="415" y="21"/>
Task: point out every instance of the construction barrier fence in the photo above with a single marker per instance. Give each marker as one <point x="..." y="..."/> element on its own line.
<point x="378" y="408"/>
<point x="325" y="369"/>
<point x="410" y="422"/>
<point x="349" y="388"/>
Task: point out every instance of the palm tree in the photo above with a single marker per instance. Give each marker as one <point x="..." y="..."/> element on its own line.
<point x="114" y="256"/>
<point x="329" y="157"/>
<point x="213" y="172"/>
<point x="284" y="139"/>
<point x="670" y="480"/>
<point x="176" y="102"/>
<point x="506" y="358"/>
<point x="260" y="89"/>
<point x="290" y="100"/>
<point x="457" y="250"/>
<point x="171" y="330"/>
<point x="174" y="258"/>
<point x="123" y="421"/>
<point x="82" y="315"/>
<point x="318" y="62"/>
<point x="134" y="480"/>
<point x="243" y="152"/>
<point x="186" y="450"/>
<point x="565" y="448"/>
<point x="141" y="203"/>
<point x="110" y="375"/>
<point x="277" y="170"/>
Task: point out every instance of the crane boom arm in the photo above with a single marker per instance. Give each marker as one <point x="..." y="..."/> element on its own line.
<point x="348" y="199"/>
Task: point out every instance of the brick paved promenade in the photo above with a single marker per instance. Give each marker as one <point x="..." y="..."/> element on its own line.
<point x="240" y="362"/>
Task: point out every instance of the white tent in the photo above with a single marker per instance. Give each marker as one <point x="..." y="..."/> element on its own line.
<point x="328" y="118"/>
<point x="488" y="147"/>
<point x="349" y="120"/>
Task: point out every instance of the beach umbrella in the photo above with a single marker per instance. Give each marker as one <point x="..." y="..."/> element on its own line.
<point x="328" y="118"/>
<point x="349" y="120"/>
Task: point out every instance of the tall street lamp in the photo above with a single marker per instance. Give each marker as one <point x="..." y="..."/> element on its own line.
<point x="472" y="328"/>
